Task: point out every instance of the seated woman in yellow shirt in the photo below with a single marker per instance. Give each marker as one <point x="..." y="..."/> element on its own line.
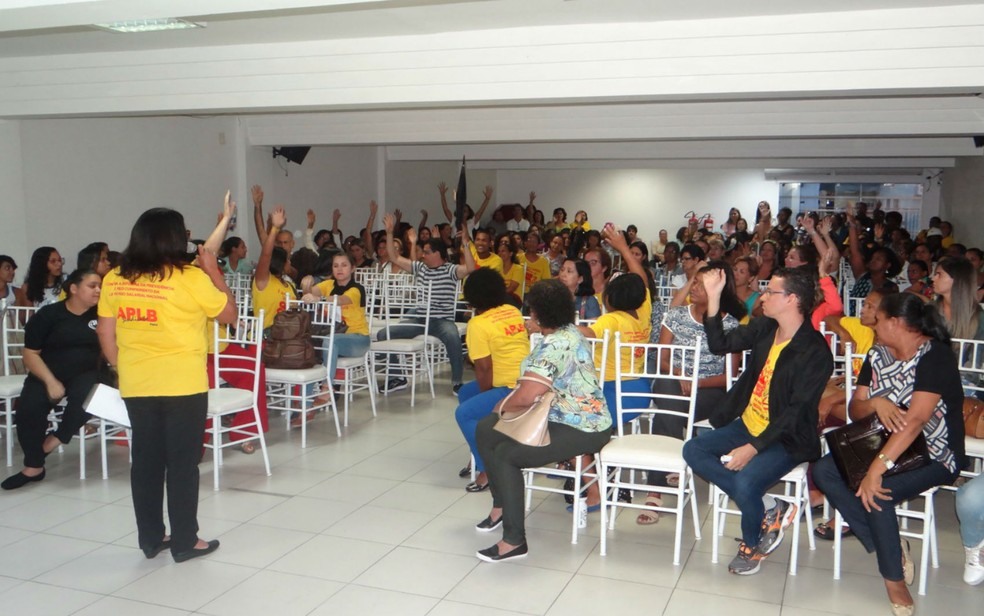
<point x="352" y="300"/>
<point x="270" y="286"/>
<point x="497" y="344"/>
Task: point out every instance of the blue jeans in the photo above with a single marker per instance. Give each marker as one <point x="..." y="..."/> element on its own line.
<point x="346" y="345"/>
<point x="636" y="386"/>
<point x="747" y="486"/>
<point x="970" y="510"/>
<point x="473" y="405"/>
<point x="443" y="329"/>
<point x="878" y="531"/>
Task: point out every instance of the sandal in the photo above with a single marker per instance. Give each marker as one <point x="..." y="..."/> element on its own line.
<point x="825" y="532"/>
<point x="249" y="447"/>
<point x="648" y="518"/>
<point x="300" y="419"/>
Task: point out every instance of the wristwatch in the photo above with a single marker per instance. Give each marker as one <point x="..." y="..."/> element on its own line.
<point x="889" y="464"/>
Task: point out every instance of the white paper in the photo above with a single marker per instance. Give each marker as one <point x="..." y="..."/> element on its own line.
<point x="106" y="402"/>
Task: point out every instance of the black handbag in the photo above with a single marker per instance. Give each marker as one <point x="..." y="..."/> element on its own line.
<point x="855" y="446"/>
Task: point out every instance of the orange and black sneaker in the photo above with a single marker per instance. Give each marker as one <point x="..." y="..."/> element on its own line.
<point x="748" y="561"/>
<point x="774" y="524"/>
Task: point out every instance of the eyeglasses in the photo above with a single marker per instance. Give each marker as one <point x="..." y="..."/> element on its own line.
<point x="768" y="291"/>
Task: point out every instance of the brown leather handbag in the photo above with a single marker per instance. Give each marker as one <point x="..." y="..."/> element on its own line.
<point x="973" y="413"/>
<point x="528" y="427"/>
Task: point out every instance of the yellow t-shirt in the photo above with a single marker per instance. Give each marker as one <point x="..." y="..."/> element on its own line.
<point x="493" y="261"/>
<point x="632" y="330"/>
<point x="272" y="299"/>
<point x="536" y="271"/>
<point x="863" y="335"/>
<point x="160" y="330"/>
<point x="353" y="314"/>
<point x="756" y="415"/>
<point x="515" y="274"/>
<point x="499" y="333"/>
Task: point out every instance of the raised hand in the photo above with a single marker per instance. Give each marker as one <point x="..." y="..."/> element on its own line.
<point x="532" y="195"/>
<point x="423" y="213"/>
<point x="389" y="221"/>
<point x="412" y="235"/>
<point x="335" y="216"/>
<point x="443" y="188"/>
<point x="373" y="207"/>
<point x="487" y="193"/>
<point x="826" y="225"/>
<point x="714" y="281"/>
<point x="398" y="213"/>
<point x="310" y="219"/>
<point x="809" y="225"/>
<point x="278" y="217"/>
<point x="257" y="192"/>
<point x="614" y="237"/>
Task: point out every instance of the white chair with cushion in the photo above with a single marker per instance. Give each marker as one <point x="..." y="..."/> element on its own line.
<point x="583" y="476"/>
<point x="12" y="381"/>
<point x="301" y="391"/>
<point x="404" y="357"/>
<point x="223" y="401"/>
<point x="649" y="452"/>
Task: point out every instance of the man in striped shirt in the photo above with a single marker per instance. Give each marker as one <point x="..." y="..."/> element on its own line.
<point x="443" y="277"/>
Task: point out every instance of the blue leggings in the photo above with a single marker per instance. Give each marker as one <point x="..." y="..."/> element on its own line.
<point x="473" y="405"/>
<point x="640" y="386"/>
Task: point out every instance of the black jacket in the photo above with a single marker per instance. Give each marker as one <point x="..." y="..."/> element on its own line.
<point x="801" y="373"/>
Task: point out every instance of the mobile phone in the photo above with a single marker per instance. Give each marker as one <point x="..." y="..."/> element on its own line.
<point x="725" y="459"/>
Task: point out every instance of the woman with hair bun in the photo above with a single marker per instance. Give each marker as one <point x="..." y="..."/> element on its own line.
<point x="911" y="381"/>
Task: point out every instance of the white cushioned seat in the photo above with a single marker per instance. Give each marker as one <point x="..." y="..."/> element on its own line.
<point x="304" y="375"/>
<point x="11" y="385"/>
<point x="399" y="345"/>
<point x="350" y="362"/>
<point x="974" y="446"/>
<point x="643" y="450"/>
<point x="228" y="399"/>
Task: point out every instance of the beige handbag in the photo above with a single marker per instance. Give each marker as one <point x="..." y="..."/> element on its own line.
<point x="528" y="427"/>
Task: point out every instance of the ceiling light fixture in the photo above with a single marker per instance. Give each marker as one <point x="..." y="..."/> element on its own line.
<point x="149" y="25"/>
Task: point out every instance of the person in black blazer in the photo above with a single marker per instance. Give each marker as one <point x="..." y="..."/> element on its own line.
<point x="767" y="423"/>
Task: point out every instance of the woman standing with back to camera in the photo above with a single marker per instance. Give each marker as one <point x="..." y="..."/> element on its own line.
<point x="152" y="316"/>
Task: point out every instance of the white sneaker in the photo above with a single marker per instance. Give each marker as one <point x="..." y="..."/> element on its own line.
<point x="973" y="567"/>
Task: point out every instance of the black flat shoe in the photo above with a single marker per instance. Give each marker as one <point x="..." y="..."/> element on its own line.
<point x="465" y="471"/>
<point x="153" y="552"/>
<point x="492" y="555"/>
<point x="488" y="524"/>
<point x="180" y="557"/>
<point x="19" y="481"/>
<point x="477" y="487"/>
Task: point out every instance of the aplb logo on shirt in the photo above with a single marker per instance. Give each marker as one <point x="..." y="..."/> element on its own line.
<point x="512" y="329"/>
<point x="129" y="314"/>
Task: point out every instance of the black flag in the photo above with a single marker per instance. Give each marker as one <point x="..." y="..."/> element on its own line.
<point x="460" y="198"/>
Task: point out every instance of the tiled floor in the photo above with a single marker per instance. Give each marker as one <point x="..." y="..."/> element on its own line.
<point x="378" y="522"/>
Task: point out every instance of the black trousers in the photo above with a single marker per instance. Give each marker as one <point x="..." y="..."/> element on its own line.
<point x="505" y="460"/>
<point x="667" y="425"/>
<point x="33" y="407"/>
<point x="167" y="437"/>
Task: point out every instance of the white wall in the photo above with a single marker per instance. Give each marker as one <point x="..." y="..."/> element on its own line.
<point x="329" y="178"/>
<point x="652" y="199"/>
<point x="412" y="186"/>
<point x="88" y="180"/>
<point x="963" y="200"/>
<point x="12" y="216"/>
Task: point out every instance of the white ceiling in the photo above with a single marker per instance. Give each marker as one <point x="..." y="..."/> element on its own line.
<point x="833" y="119"/>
